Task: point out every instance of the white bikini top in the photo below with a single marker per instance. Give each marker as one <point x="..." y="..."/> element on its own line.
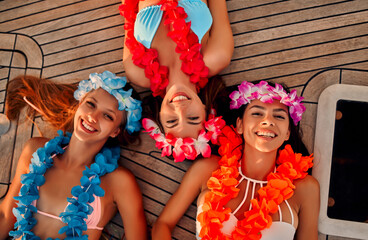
<point x="278" y="230"/>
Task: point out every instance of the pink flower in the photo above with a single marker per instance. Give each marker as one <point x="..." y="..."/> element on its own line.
<point x="178" y="153"/>
<point x="150" y="126"/>
<point x="214" y="126"/>
<point x="201" y="145"/>
<point x="266" y="93"/>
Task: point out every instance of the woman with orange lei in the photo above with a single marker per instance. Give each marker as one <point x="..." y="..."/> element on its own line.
<point x="259" y="188"/>
<point x="173" y="47"/>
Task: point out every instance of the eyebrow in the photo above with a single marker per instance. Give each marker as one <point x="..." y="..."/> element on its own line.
<point x="107" y="109"/>
<point x="176" y="124"/>
<point x="263" y="108"/>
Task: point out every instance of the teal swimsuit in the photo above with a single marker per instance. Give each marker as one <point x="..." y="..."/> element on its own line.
<point x="149" y="18"/>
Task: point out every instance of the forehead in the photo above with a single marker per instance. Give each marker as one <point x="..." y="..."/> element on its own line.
<point x="104" y="98"/>
<point x="275" y="105"/>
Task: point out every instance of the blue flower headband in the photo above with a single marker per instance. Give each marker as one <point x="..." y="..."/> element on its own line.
<point x="114" y="85"/>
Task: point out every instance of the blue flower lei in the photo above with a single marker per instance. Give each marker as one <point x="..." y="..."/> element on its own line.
<point x="78" y="210"/>
<point x="114" y="85"/>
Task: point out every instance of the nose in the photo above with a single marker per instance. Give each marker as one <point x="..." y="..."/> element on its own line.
<point x="267" y="120"/>
<point x="181" y="107"/>
<point x="91" y="118"/>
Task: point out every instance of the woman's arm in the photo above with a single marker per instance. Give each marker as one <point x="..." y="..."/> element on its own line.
<point x="128" y="198"/>
<point x="189" y="188"/>
<point x="7" y="218"/>
<point x="134" y="73"/>
<point x="220" y="45"/>
<point x="309" y="209"/>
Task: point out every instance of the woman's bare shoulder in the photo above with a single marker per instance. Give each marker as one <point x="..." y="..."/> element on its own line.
<point x="306" y="188"/>
<point x="120" y="177"/>
<point x="206" y="164"/>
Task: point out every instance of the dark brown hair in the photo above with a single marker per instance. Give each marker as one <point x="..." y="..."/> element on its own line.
<point x="213" y="95"/>
<point x="295" y="139"/>
<point x="56" y="102"/>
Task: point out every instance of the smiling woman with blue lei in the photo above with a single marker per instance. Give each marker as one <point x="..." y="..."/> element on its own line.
<point x="71" y="186"/>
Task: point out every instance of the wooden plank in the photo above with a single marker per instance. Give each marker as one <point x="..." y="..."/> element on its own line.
<point x="85" y="62"/>
<point x="289" y="68"/>
<point x="80" y="74"/>
<point x="286" y="11"/>
<point x="61" y="24"/>
<point x="8" y="5"/>
<point x="354" y="77"/>
<point x="287" y="56"/>
<point x="24" y="10"/>
<point x="82" y="52"/>
<point x="78" y="30"/>
<point x="6" y="148"/>
<point x="53" y="14"/>
<point x="236" y="5"/>
<point x="83" y="40"/>
<point x="30" y="49"/>
<point x="303" y="40"/>
<point x="268" y="34"/>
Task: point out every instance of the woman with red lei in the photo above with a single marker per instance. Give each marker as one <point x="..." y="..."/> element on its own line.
<point x="173" y="47"/>
<point x="259" y="188"/>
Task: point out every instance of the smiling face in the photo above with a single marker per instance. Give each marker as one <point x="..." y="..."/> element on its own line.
<point x="97" y="117"/>
<point x="182" y="112"/>
<point x="265" y="126"/>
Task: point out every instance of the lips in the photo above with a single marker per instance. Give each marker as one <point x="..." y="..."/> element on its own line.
<point x="266" y="134"/>
<point x="178" y="97"/>
<point x="87" y="128"/>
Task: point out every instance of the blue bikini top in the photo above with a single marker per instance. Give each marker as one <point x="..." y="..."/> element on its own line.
<point x="149" y="18"/>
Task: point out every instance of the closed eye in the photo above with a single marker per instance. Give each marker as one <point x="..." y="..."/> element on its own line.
<point x="90" y="104"/>
<point x="280" y="117"/>
<point x="256" y="114"/>
<point x="171" y="121"/>
<point x="109" y="117"/>
<point x="193" y="118"/>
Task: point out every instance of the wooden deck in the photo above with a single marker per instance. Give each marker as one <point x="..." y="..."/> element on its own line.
<point x="308" y="45"/>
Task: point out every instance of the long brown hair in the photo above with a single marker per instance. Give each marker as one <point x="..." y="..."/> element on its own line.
<point x="55" y="101"/>
<point x="295" y="139"/>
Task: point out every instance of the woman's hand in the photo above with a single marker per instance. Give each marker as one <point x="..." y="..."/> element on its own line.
<point x="220" y="45"/>
<point x="128" y="198"/>
<point x="192" y="184"/>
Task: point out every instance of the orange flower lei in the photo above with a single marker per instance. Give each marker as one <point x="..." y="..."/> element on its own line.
<point x="187" y="46"/>
<point x="291" y="166"/>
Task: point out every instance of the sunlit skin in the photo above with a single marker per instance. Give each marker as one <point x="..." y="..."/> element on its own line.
<point x="264" y="128"/>
<point x="182" y="112"/>
<point x="98" y="117"/>
<point x="217" y="46"/>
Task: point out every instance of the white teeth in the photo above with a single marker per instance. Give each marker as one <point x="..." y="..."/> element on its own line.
<point x="87" y="126"/>
<point x="266" y="134"/>
<point x="179" y="98"/>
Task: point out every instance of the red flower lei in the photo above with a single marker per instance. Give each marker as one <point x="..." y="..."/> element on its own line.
<point x="187" y="46"/>
<point x="291" y="166"/>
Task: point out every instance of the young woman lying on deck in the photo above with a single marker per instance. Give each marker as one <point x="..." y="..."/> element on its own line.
<point x="173" y="47"/>
<point x="259" y="188"/>
<point x="71" y="186"/>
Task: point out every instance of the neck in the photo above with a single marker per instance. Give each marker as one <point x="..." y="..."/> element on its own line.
<point x="80" y="153"/>
<point x="256" y="164"/>
<point x="177" y="76"/>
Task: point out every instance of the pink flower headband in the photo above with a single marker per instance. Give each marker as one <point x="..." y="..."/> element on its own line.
<point x="185" y="148"/>
<point x="266" y="93"/>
